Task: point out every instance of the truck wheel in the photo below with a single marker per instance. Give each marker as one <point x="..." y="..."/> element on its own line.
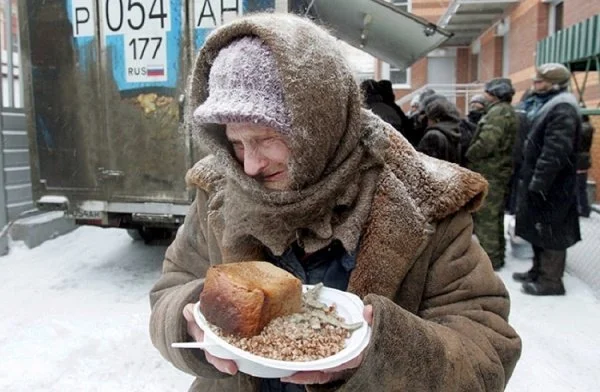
<point x="152" y="235"/>
<point x="135" y="234"/>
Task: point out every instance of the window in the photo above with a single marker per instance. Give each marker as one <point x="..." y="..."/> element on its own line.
<point x="400" y="78"/>
<point x="556" y="16"/>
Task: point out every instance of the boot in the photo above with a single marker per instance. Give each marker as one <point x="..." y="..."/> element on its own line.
<point x="533" y="274"/>
<point x="544" y="288"/>
<point x="526" y="277"/>
<point x="549" y="281"/>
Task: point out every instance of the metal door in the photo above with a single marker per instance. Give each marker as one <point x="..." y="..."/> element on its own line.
<point x="144" y="66"/>
<point x="62" y="99"/>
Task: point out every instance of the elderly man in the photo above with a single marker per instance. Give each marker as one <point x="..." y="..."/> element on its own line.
<point x="546" y="203"/>
<point x="301" y="176"/>
<point x="490" y="154"/>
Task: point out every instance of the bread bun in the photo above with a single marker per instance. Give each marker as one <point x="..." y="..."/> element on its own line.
<point x="242" y="298"/>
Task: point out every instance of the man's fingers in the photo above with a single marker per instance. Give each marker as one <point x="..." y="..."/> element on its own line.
<point x="188" y="312"/>
<point x="222" y="365"/>
<point x="309" y="378"/>
<point x="368" y="314"/>
<point x="351" y="364"/>
<point x="193" y="329"/>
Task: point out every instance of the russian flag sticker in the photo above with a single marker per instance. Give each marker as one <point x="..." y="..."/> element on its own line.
<point x="155" y="70"/>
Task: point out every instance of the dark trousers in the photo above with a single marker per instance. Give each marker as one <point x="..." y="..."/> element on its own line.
<point x="583" y="205"/>
<point x="549" y="265"/>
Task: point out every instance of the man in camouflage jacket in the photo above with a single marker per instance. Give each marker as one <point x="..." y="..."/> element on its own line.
<point x="490" y="154"/>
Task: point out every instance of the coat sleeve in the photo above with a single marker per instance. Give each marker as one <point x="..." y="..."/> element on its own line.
<point x="459" y="340"/>
<point x="559" y="143"/>
<point x="180" y="283"/>
<point x="488" y="137"/>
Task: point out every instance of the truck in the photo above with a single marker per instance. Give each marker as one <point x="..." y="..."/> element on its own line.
<point x="104" y="95"/>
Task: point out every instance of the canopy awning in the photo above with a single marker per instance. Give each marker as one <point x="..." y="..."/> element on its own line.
<point x="467" y="19"/>
<point x="577" y="46"/>
<point x="380" y="29"/>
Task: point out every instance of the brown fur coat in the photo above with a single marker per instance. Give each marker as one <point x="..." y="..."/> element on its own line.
<point x="440" y="312"/>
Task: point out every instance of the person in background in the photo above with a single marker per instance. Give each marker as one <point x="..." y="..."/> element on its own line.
<point x="386" y="90"/>
<point x="547" y="214"/>
<point x="419" y="119"/>
<point x="477" y="108"/>
<point x="442" y="135"/>
<point x="584" y="163"/>
<point x="415" y="108"/>
<point x="524" y="126"/>
<point x="328" y="191"/>
<point x="378" y="96"/>
<point x="468" y="126"/>
<point x="490" y="154"/>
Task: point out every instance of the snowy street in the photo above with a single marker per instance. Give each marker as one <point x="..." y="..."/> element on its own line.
<point x="74" y="317"/>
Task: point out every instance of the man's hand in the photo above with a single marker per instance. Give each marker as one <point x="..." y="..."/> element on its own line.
<point x="223" y="365"/>
<point x="333" y="374"/>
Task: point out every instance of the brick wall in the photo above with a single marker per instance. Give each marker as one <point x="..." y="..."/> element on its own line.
<point x="490" y="56"/>
<point x="528" y="25"/>
<point x="594" y="173"/>
<point x="578" y="10"/>
<point x="431" y="10"/>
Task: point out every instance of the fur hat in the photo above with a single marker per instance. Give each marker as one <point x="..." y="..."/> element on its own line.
<point x="500" y="88"/>
<point x="244" y="87"/>
<point x="553" y="73"/>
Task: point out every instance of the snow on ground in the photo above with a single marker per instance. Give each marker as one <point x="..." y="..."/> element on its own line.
<point x="74" y="317"/>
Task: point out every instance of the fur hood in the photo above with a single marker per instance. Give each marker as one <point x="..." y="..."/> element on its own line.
<point x="413" y="192"/>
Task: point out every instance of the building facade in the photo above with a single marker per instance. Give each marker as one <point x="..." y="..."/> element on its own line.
<point x="494" y="38"/>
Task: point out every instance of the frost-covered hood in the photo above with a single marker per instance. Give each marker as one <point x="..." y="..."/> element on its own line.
<point x="319" y="91"/>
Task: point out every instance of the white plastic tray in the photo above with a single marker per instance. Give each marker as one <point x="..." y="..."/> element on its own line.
<point x="348" y="306"/>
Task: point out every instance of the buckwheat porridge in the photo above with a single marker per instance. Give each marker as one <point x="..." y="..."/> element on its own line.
<point x="314" y="333"/>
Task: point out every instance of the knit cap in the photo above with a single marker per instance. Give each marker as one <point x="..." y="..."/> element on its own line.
<point x="244" y="87"/>
<point x="554" y="73"/>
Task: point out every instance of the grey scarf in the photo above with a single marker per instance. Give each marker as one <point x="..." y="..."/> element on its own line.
<point x="335" y="207"/>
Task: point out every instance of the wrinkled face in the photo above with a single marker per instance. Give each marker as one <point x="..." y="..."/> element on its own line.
<point x="263" y="152"/>
<point x="541" y="86"/>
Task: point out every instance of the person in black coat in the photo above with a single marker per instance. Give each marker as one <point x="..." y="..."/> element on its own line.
<point x="584" y="163"/>
<point x="517" y="153"/>
<point x="442" y="135"/>
<point x="377" y="98"/>
<point x="547" y="206"/>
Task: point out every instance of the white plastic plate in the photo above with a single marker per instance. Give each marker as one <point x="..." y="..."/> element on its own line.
<point x="348" y="306"/>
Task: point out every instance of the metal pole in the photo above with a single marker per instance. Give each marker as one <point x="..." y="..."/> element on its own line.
<point x="9" y="53"/>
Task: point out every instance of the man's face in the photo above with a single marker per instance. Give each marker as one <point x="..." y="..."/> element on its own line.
<point x="263" y="153"/>
<point x="477" y="106"/>
<point x="490" y="98"/>
<point x="541" y="86"/>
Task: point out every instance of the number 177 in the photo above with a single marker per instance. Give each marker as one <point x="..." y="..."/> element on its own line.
<point x="142" y="43"/>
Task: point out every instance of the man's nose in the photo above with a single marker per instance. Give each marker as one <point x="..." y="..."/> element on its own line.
<point x="254" y="162"/>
